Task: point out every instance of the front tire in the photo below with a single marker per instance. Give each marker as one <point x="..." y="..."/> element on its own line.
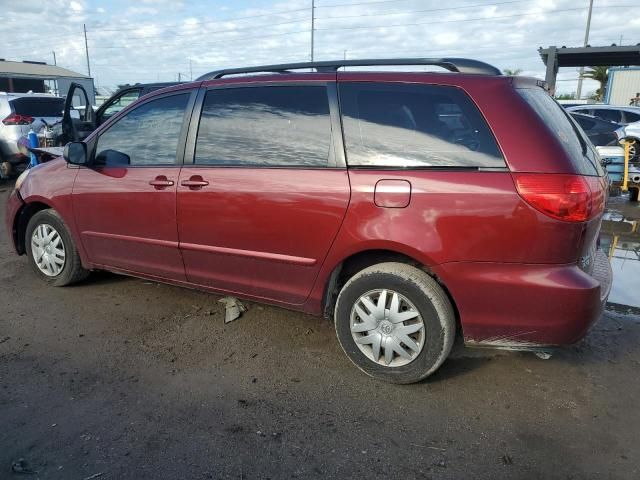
<point x="51" y="250"/>
<point x="394" y="322"/>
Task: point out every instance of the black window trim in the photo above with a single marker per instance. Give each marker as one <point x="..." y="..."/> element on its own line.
<point x="336" y="161"/>
<point x="437" y="168"/>
<point x="182" y="138"/>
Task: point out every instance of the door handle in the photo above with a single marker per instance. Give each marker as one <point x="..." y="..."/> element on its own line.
<point x="195" y="182"/>
<point x="161" y="182"/>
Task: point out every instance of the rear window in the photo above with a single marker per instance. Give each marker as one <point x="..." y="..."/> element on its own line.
<point x="408" y="125"/>
<point x="570" y="135"/>
<point x="38" y="106"/>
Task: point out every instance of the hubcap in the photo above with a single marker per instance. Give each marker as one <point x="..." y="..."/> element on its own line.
<point x="48" y="250"/>
<point x="387" y="328"/>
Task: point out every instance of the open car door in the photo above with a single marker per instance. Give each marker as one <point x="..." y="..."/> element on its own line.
<point x="121" y="99"/>
<point x="78" y="119"/>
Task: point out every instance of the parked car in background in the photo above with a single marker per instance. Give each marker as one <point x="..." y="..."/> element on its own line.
<point x="19" y="113"/>
<point x="600" y="132"/>
<point x="405" y="206"/>
<point x="77" y="127"/>
<point x="619" y="114"/>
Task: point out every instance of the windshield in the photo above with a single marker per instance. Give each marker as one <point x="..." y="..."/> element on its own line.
<point x="38" y="106"/>
<point x="571" y="136"/>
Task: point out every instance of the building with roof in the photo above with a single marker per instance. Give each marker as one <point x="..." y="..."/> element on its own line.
<point x="40" y="77"/>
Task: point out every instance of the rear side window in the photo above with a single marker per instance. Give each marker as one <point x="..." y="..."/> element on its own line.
<point x="404" y="125"/>
<point x="38" y="106"/>
<point x="608" y="114"/>
<point x="575" y="143"/>
<point x="265" y="126"/>
<point x="631" y="117"/>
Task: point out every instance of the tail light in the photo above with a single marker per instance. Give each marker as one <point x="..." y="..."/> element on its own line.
<point x="15" y="119"/>
<point x="572" y="198"/>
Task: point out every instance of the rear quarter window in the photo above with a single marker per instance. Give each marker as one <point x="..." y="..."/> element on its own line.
<point x="407" y="125"/>
<point x="566" y="130"/>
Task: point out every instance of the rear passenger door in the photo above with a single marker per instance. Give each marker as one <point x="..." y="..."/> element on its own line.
<point x="265" y="189"/>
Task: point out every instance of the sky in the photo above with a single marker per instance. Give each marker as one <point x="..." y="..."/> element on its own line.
<point x="157" y="40"/>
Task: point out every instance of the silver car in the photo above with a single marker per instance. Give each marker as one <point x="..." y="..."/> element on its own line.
<point x="621" y="114"/>
<point x="19" y="113"/>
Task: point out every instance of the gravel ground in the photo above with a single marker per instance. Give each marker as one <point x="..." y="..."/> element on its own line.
<point x="119" y="378"/>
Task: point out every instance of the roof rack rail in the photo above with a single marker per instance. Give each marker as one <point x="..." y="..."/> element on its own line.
<point x="459" y="65"/>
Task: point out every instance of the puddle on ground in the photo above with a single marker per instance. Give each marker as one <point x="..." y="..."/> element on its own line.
<point x="620" y="240"/>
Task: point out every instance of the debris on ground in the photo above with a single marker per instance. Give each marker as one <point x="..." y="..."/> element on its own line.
<point x="21" y="466"/>
<point x="233" y="308"/>
<point x="95" y="475"/>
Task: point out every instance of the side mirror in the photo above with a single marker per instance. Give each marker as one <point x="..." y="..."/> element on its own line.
<point x="75" y="153"/>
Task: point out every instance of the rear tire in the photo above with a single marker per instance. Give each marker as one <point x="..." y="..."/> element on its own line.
<point x="395" y="323"/>
<point x="51" y="250"/>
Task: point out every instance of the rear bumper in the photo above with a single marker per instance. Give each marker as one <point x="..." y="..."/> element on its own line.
<point x="13" y="206"/>
<point x="526" y="306"/>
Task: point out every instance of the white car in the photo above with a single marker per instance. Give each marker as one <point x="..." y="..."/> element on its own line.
<point x="19" y="113"/>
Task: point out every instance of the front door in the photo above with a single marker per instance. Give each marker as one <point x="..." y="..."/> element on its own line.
<point x="264" y="197"/>
<point x="125" y="202"/>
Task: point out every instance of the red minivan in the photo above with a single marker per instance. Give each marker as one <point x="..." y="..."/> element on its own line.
<point x="406" y="206"/>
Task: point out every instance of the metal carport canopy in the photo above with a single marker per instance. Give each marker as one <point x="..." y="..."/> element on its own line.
<point x="613" y="56"/>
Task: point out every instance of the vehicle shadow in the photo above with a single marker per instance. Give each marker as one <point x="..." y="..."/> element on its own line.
<point x="101" y="278"/>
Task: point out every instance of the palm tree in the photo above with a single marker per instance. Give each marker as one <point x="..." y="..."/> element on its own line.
<point x="512" y="72"/>
<point x="600" y="75"/>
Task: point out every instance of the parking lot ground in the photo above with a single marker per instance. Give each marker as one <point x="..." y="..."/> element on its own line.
<point x="120" y="378"/>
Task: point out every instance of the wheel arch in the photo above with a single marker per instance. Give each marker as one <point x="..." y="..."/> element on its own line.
<point x="357" y="261"/>
<point x="21" y="221"/>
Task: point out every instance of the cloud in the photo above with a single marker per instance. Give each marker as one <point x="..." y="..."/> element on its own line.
<point x="156" y="39"/>
<point x="76" y="6"/>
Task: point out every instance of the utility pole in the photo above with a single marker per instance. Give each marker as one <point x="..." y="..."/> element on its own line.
<point x="190" y="71"/>
<point x="54" y="58"/>
<point x="313" y="24"/>
<point x="86" y="48"/>
<point x="586" y="41"/>
<point x="179" y="79"/>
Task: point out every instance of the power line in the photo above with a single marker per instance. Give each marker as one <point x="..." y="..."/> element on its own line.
<point x="231" y="30"/>
<point x="226" y="41"/>
<point x="359" y="3"/>
<point x="200" y="22"/>
<point x="462" y="7"/>
<point x="467" y="19"/>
